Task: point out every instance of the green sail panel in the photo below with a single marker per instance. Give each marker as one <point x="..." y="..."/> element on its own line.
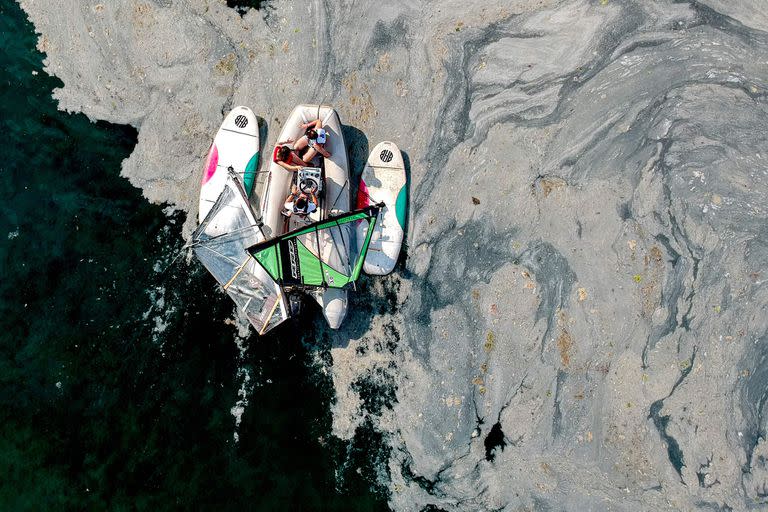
<point x="269" y="259"/>
<point x="320" y="255"/>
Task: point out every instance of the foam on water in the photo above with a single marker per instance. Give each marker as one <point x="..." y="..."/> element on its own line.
<point x="238" y="409"/>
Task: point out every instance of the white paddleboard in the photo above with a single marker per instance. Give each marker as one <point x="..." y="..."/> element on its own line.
<point x="236" y="145"/>
<point x="383" y="180"/>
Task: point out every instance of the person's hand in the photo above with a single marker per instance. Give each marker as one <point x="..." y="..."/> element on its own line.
<point x="294" y="189"/>
<point x="289" y="140"/>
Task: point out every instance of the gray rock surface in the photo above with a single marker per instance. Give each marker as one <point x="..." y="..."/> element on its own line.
<point x="592" y="334"/>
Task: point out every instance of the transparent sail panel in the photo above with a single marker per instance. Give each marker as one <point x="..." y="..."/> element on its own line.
<point x="331" y="246"/>
<point x="220" y="244"/>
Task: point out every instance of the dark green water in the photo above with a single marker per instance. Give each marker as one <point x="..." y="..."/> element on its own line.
<point x="117" y="379"/>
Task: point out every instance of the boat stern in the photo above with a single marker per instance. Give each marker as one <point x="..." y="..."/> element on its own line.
<point x="334" y="304"/>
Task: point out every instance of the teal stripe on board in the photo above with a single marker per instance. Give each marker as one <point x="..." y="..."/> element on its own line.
<point x="250" y="173"/>
<point x="401" y="206"/>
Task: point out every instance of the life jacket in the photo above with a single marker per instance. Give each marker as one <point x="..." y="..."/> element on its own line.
<point x="289" y="160"/>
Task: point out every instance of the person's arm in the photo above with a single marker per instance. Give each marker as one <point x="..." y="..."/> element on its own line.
<point x="294" y="193"/>
<point x="286" y="141"/>
<point x="292" y="196"/>
<point x="320" y="149"/>
<point x="317" y="124"/>
<point x="312" y="204"/>
<point x="289" y="167"/>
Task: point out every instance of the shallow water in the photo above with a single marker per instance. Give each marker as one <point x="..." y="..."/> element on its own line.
<point x="121" y="383"/>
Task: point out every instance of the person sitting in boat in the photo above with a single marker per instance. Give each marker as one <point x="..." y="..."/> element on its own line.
<point x="314" y="140"/>
<point x="287" y="158"/>
<point x="300" y="203"/>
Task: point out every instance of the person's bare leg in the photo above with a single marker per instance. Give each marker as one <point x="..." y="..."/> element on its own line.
<point x="309" y="155"/>
<point x="301" y="143"/>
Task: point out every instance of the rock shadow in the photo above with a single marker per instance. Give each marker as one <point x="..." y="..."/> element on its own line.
<point x="243" y="6"/>
<point x="357" y="154"/>
<point x="400" y="266"/>
<point x="263" y="133"/>
<point x="262" y="168"/>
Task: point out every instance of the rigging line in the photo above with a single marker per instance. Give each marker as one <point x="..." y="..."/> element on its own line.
<point x="224" y="256"/>
<point x="216" y="237"/>
<point x="349" y="254"/>
<point x="233" y="232"/>
<point x="339" y="194"/>
<point x="228" y="167"/>
<point x="320" y="257"/>
<point x="344" y="243"/>
<point x="328" y="116"/>
<point x="178" y="255"/>
<point x="368" y="196"/>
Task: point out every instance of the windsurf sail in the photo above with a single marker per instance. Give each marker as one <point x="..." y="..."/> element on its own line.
<point x="320" y="255"/>
<point x="221" y="242"/>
